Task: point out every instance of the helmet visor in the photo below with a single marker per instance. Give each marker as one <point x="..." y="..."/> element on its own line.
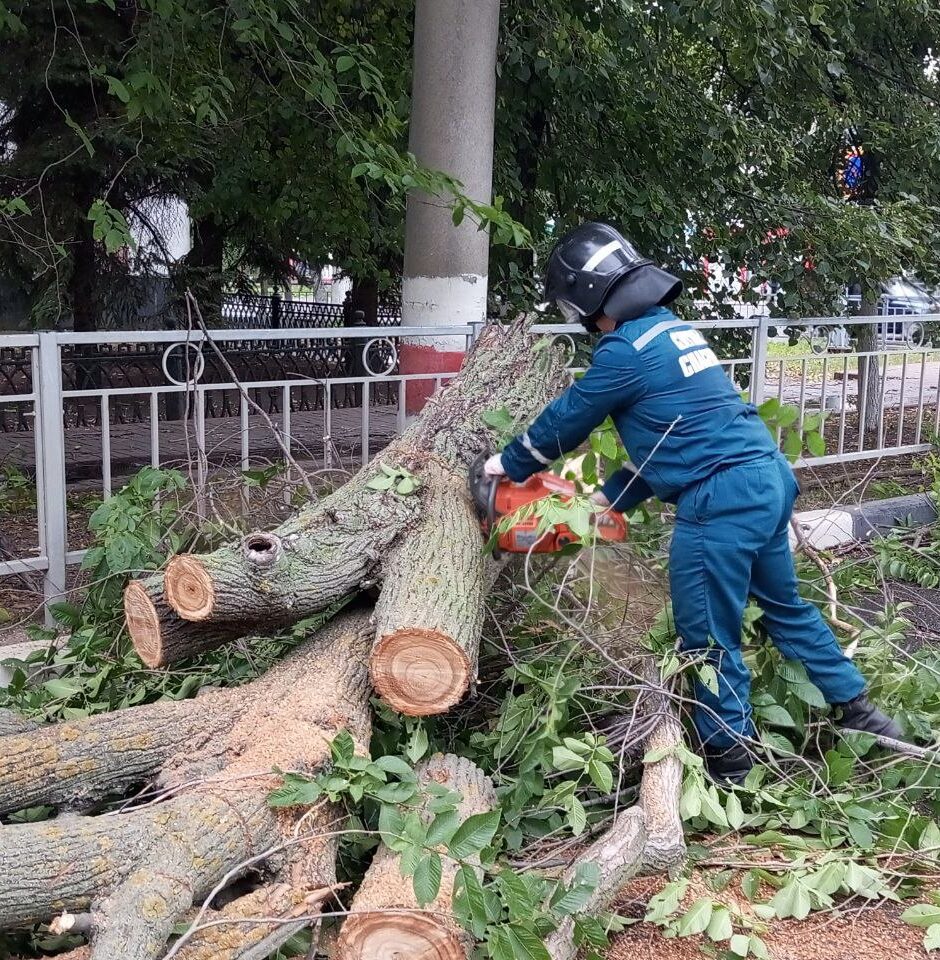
<point x="569" y="311"/>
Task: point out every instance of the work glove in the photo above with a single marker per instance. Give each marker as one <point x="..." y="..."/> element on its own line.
<point x="598" y="497"/>
<point x="494" y="466"/>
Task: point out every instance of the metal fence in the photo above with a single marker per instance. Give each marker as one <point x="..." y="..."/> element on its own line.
<point x="210" y="404"/>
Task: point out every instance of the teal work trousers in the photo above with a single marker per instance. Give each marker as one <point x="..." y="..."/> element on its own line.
<point x="731" y="542"/>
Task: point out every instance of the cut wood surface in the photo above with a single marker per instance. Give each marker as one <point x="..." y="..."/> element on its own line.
<point x="159" y="635"/>
<point x="422" y="546"/>
<point x="429" y="616"/>
<point x="385" y="920"/>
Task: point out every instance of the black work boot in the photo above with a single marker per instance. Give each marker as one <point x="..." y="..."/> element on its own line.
<point x="728" y="766"/>
<point x="862" y="714"/>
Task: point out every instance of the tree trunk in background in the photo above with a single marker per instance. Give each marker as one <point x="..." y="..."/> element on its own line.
<point x="202" y="271"/>
<point x="364" y="298"/>
<point x="869" y="372"/>
<point x="86" y="309"/>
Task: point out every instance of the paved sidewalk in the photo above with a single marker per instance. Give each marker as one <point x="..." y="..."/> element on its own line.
<point x="131" y="443"/>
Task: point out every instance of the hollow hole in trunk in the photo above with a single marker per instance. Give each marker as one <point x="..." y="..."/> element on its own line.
<point x="262" y="548"/>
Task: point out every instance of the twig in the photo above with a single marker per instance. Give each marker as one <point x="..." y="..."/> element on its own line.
<point x="831" y="591"/>
<point x="288" y="456"/>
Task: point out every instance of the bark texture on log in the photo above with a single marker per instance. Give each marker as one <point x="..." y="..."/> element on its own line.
<point x="140" y="870"/>
<point x="429" y="616"/>
<point x="618" y="855"/>
<point x="82" y="760"/>
<point x="357" y="534"/>
<point x="661" y="789"/>
<point x="159" y="635"/>
<point x="11" y="723"/>
<point x="255" y="925"/>
<point x="385" y="919"/>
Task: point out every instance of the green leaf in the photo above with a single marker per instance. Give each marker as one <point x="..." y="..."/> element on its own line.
<point x="391" y="826"/>
<point x="793" y="900"/>
<point x="720" y="926"/>
<point x="62" y="688"/>
<point x="406" y="486"/>
<point x="342" y="747"/>
<point x="566" y="760"/>
<point x="750" y="884"/>
<point x="739" y="945"/>
<point x="380" y="483"/>
<point x="861" y="834"/>
<point x="473" y="835"/>
<point x="576" y="897"/>
<point x="815" y="444"/>
<point x="345" y="63"/>
<point x="418" y="744"/>
<point x="443" y="827"/>
<point x="696" y="919"/>
<point x="601" y="775"/>
<point x="932" y="937"/>
<point x="709" y="677"/>
<point x="734" y="812"/>
<point x="117" y="87"/>
<point x="395" y="765"/>
<point x="922" y="915"/>
<point x="526" y="944"/>
<point x="712" y="807"/>
<point x="777" y="715"/>
<point x="577" y="818"/>
<point x="469" y="902"/>
<point x="427" y="879"/>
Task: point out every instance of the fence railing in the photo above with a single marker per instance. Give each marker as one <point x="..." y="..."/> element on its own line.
<point x="337" y="395"/>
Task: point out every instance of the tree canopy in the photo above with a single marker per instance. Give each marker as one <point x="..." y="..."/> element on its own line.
<point x="704" y="129"/>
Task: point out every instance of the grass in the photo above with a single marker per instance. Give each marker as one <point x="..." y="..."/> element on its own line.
<point x="836" y="361"/>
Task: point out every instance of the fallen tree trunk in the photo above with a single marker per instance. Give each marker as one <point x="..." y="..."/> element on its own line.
<point x="423" y="544"/>
<point x="11" y="722"/>
<point x="159" y="634"/>
<point x="385" y="919"/>
<point x="618" y="855"/>
<point x="141" y="870"/>
<point x="429" y="616"/>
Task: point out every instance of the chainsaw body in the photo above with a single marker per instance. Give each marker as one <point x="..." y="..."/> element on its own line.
<point x="498" y="497"/>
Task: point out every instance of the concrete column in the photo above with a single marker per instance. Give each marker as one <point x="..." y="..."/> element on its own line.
<point x="452" y="116"/>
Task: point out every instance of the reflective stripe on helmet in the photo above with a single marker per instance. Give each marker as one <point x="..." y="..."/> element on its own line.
<point x="601" y="255"/>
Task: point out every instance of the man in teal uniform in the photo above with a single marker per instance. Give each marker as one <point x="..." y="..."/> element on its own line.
<point x="693" y="442"/>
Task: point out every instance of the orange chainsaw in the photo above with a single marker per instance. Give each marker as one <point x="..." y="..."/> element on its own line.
<point x="498" y="497"/>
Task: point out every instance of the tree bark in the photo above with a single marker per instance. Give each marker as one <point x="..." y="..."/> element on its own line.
<point x="869" y="373"/>
<point x="618" y="855"/>
<point x="140" y="870"/>
<point x="429" y="617"/>
<point x="81" y="761"/>
<point x="356" y="536"/>
<point x="11" y="722"/>
<point x="385" y="919"/>
<point x="159" y="635"/>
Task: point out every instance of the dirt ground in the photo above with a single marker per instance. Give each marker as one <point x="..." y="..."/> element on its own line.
<point x="859" y="931"/>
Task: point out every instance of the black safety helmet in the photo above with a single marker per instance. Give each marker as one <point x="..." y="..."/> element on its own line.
<point x="594" y="267"/>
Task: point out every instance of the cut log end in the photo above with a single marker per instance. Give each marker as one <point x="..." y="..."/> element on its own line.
<point x="143" y="624"/>
<point x="189" y="589"/>
<point x="419" y="672"/>
<point x="397" y="935"/>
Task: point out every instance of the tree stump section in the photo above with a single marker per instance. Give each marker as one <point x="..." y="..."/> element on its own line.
<point x="385" y="920"/>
